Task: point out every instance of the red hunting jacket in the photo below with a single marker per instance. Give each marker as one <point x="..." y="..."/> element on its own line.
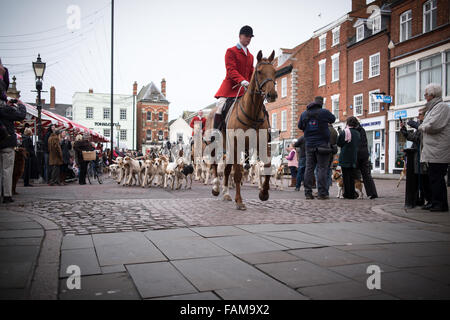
<point x="195" y="119"/>
<point x="239" y="67"/>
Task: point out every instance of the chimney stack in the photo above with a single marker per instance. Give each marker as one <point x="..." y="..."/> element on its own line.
<point x="52" y="97"/>
<point x="91" y="90"/>
<point x="42" y="101"/>
<point x="163" y="87"/>
<point x="135" y="88"/>
<point x="358" y="4"/>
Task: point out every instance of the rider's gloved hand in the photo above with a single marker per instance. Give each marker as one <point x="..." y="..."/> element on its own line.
<point x="244" y="83"/>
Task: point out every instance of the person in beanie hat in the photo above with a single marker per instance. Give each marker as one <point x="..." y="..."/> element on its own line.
<point x="239" y="67"/>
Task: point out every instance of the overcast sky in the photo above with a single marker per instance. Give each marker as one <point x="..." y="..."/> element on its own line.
<point x="179" y="40"/>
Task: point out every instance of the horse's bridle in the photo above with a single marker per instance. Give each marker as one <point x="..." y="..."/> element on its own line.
<point x="255" y="123"/>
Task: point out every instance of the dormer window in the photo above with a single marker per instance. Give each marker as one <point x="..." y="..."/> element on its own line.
<point x="360" y="33"/>
<point x="376" y="24"/>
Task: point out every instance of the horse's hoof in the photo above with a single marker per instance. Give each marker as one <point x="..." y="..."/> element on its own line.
<point x="215" y="193"/>
<point x="241" y="206"/>
<point x="263" y="196"/>
<point x="227" y="197"/>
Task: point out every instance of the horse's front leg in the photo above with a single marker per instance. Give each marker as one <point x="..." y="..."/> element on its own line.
<point x="216" y="182"/>
<point x="226" y="174"/>
<point x="237" y="180"/>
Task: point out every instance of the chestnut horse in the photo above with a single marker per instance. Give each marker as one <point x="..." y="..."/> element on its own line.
<point x="247" y="113"/>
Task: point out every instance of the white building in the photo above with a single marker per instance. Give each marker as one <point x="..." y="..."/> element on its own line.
<point x="93" y="110"/>
<point x="180" y="131"/>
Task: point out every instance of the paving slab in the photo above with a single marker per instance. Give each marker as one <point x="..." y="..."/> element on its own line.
<point x="125" y="248"/>
<point x="270" y="290"/>
<point x="170" y="234"/>
<point x="424" y="249"/>
<point x="338" y="291"/>
<point x="19" y="225"/>
<point x="266" y="227"/>
<point x="219" y="231"/>
<point x="21" y="233"/>
<point x="19" y="253"/>
<point x="246" y="244"/>
<point x="340" y="235"/>
<point x="114" y="269"/>
<point x="328" y="257"/>
<point x="15" y="275"/>
<point x="189" y="247"/>
<point x="21" y="242"/>
<point x="298" y="274"/>
<point x="291" y="244"/>
<point x="115" y="286"/>
<point x="440" y="274"/>
<point x="192" y="296"/>
<point x="77" y="242"/>
<point x="359" y="271"/>
<point x="86" y="259"/>
<point x="158" y="279"/>
<point x="303" y="237"/>
<point x="267" y="257"/>
<point x="405" y="285"/>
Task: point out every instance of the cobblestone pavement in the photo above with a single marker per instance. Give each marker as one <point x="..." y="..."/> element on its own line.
<point x="188" y="208"/>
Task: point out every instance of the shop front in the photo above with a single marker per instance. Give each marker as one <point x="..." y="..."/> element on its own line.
<point x="397" y="141"/>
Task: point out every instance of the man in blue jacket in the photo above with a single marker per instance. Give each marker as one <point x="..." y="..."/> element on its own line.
<point x="314" y="123"/>
<point x="8" y="114"/>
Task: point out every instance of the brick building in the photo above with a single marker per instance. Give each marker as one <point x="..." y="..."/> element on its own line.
<point x="152" y="116"/>
<point x="294" y="88"/>
<point x="420" y="54"/>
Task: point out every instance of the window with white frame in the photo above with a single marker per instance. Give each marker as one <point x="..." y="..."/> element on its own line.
<point x="160" y="135"/>
<point x="160" y="116"/>
<point x="284" y="87"/>
<point x="376" y="24"/>
<point x="283" y="120"/>
<point x="123" y="134"/>
<point x="106" y="113"/>
<point x="335" y="67"/>
<point x="374" y="65"/>
<point x="274" y="120"/>
<point x="69" y="113"/>
<point x="335" y="106"/>
<point x="107" y="133"/>
<point x="358" y="70"/>
<point x="447" y="69"/>
<point x="405" y="25"/>
<point x="149" y="116"/>
<point x="322" y="79"/>
<point x="358" y="105"/>
<point x="336" y="35"/>
<point x="323" y="42"/>
<point x="360" y="33"/>
<point x="324" y="105"/>
<point x="405" y="88"/>
<point x="123" y="114"/>
<point x="373" y="106"/>
<point x="430" y="72"/>
<point x="148" y="135"/>
<point x="429" y="15"/>
<point x="89" y="113"/>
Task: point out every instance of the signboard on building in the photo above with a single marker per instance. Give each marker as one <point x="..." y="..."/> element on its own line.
<point x="382" y="98"/>
<point x="400" y="114"/>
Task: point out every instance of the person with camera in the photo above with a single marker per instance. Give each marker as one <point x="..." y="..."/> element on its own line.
<point x="314" y="123"/>
<point x="81" y="144"/>
<point x="10" y="111"/>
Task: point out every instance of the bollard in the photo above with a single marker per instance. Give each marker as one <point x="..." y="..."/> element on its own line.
<point x="411" y="181"/>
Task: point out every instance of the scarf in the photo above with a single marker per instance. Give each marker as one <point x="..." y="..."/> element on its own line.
<point x="430" y="104"/>
<point x="348" y="134"/>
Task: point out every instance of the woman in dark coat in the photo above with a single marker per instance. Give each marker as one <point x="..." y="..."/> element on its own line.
<point x="349" y="140"/>
<point x="27" y="143"/>
<point x="66" y="146"/>
<point x="79" y="146"/>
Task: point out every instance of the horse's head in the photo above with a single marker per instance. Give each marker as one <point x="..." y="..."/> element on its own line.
<point x="265" y="76"/>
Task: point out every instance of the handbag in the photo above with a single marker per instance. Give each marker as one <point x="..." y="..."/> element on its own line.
<point x="324" y="150"/>
<point x="89" y="155"/>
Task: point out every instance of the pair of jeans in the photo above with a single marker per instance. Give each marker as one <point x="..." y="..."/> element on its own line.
<point x="293" y="171"/>
<point x="321" y="161"/>
<point x="54" y="175"/>
<point x="436" y="174"/>
<point x="300" y="172"/>
<point x="329" y="174"/>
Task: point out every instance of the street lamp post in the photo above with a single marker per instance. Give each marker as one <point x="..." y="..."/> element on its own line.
<point x="39" y="70"/>
<point x="118" y="135"/>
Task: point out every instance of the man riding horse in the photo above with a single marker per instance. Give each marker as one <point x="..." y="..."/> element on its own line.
<point x="252" y="86"/>
<point x="239" y="65"/>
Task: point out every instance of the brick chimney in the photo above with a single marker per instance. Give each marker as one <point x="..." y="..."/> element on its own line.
<point x="52" y="97"/>
<point x="91" y="90"/>
<point x="163" y="87"/>
<point x="42" y="101"/>
<point x="358" y="4"/>
<point x="135" y="88"/>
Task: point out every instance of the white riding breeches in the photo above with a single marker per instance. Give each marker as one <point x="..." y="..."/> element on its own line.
<point x="219" y="104"/>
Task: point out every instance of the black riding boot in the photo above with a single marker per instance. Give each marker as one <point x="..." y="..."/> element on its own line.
<point x="217" y="121"/>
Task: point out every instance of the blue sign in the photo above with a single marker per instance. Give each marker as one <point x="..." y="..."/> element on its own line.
<point x="369" y="124"/>
<point x="400" y="114"/>
<point x="387" y="99"/>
